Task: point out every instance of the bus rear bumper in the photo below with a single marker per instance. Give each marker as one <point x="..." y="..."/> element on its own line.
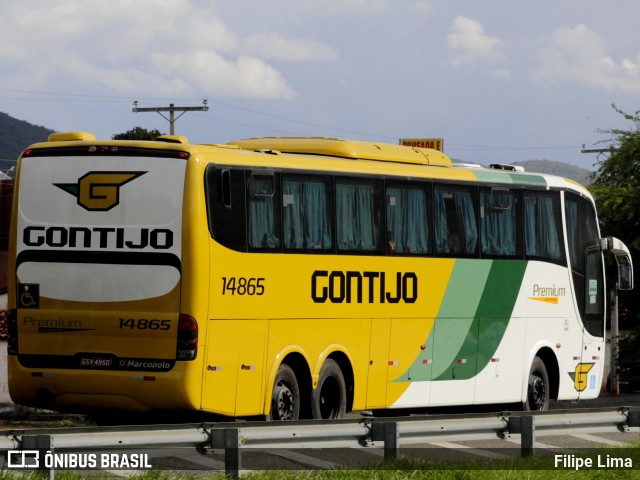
<point x="72" y="390"/>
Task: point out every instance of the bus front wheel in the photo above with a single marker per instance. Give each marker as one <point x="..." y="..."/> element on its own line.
<point x="330" y="396"/>
<point x="538" y="388"/>
<point x="285" y="398"/>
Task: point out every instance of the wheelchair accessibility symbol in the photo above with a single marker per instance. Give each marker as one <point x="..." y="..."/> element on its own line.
<point x="29" y="295"/>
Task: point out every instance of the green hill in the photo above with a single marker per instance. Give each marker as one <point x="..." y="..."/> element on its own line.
<point x="578" y="174"/>
<point x="15" y="136"/>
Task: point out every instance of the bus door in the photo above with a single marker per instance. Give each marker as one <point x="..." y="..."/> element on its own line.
<point x="588" y="376"/>
<point x="587" y="268"/>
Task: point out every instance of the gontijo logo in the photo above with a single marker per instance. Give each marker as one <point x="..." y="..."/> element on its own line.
<point x="99" y="191"/>
<point x="579" y="375"/>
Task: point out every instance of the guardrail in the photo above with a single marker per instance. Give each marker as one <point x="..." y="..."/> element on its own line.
<point x="390" y="433"/>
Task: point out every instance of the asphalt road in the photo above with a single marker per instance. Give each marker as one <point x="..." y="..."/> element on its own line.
<point x="604" y="400"/>
<point x="22" y="417"/>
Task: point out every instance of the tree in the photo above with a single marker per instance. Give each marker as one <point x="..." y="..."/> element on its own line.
<point x="138" y="133"/>
<point x="616" y="188"/>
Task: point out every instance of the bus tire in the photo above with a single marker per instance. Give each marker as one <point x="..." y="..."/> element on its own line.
<point x="538" y="388"/>
<point x="329" y="399"/>
<point x="285" y="397"/>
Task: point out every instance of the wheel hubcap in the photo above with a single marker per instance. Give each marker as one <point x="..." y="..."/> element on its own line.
<point x="284" y="402"/>
<point x="328" y="399"/>
<point x="537" y="392"/>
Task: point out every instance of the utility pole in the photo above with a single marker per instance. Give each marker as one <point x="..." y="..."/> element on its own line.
<point x="615" y="380"/>
<point x="597" y="150"/>
<point x="172" y="109"/>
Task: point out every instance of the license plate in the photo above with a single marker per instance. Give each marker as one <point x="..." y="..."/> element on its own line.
<point x="95" y="362"/>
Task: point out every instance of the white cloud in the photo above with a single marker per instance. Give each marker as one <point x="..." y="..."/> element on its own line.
<point x="469" y="46"/>
<point x="578" y="55"/>
<point x="246" y="76"/>
<point x="150" y="47"/>
<point x="278" y="47"/>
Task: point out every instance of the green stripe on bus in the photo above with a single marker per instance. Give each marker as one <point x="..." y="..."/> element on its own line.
<point x="511" y="178"/>
<point x="469" y="329"/>
<point x="453" y="321"/>
<point x="489" y="321"/>
<point x="496" y="306"/>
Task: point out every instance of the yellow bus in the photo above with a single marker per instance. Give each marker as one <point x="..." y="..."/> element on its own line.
<point x="298" y="278"/>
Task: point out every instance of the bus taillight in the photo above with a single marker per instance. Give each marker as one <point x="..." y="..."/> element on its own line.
<point x="187" y="348"/>
<point x="12" y="332"/>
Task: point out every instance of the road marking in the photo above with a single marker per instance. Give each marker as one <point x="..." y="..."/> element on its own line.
<point x="304" y="459"/>
<point x="471" y="450"/>
<point x="537" y="444"/>
<point x="593" y="438"/>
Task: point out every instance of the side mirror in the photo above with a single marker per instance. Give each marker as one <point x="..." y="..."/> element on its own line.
<point x="625" y="272"/>
<point x="623" y="260"/>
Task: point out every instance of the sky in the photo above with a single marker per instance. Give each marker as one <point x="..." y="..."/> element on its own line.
<point x="500" y="81"/>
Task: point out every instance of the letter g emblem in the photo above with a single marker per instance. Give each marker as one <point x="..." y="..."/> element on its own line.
<point x="99" y="191"/>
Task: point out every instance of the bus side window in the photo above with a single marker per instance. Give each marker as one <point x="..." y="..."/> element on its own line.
<point x="225" y="193"/>
<point x="226" y="188"/>
<point x="499" y="222"/>
<point x="306" y="212"/>
<point x="455" y="223"/>
<point x="407" y="219"/>
<point x="358" y="218"/>
<point x="264" y="218"/>
<point x="542" y="227"/>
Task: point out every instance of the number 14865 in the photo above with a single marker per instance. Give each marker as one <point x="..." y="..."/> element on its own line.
<point x="242" y="286"/>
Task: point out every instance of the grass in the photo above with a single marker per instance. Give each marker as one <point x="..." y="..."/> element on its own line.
<point x="532" y="468"/>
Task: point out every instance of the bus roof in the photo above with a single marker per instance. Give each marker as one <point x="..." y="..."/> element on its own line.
<point x="332" y="154"/>
<point x="353" y="149"/>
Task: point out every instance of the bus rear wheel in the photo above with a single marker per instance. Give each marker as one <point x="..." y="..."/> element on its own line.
<point x="285" y="398"/>
<point x="538" y="387"/>
<point x="330" y="396"/>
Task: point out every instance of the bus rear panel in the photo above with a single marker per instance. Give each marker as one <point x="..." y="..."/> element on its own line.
<point x="98" y="279"/>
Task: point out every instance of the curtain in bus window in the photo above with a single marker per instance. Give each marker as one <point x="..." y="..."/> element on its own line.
<point x="498" y="224"/>
<point x="262" y="231"/>
<point x="467" y="222"/>
<point x="407" y="220"/>
<point x="355" y="217"/>
<point x="540" y="228"/>
<point x="440" y="228"/>
<point x="306" y="215"/>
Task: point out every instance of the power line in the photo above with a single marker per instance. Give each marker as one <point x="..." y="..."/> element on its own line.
<point x="172" y="109"/>
<point x="104" y="98"/>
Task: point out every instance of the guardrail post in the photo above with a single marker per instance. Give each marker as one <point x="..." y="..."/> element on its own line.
<point x="41" y="443"/>
<point x="232" y="452"/>
<point x="389" y="434"/>
<point x="633" y="418"/>
<point x="526" y="427"/>
<point x="391" y="440"/>
<point x="527" y="436"/>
